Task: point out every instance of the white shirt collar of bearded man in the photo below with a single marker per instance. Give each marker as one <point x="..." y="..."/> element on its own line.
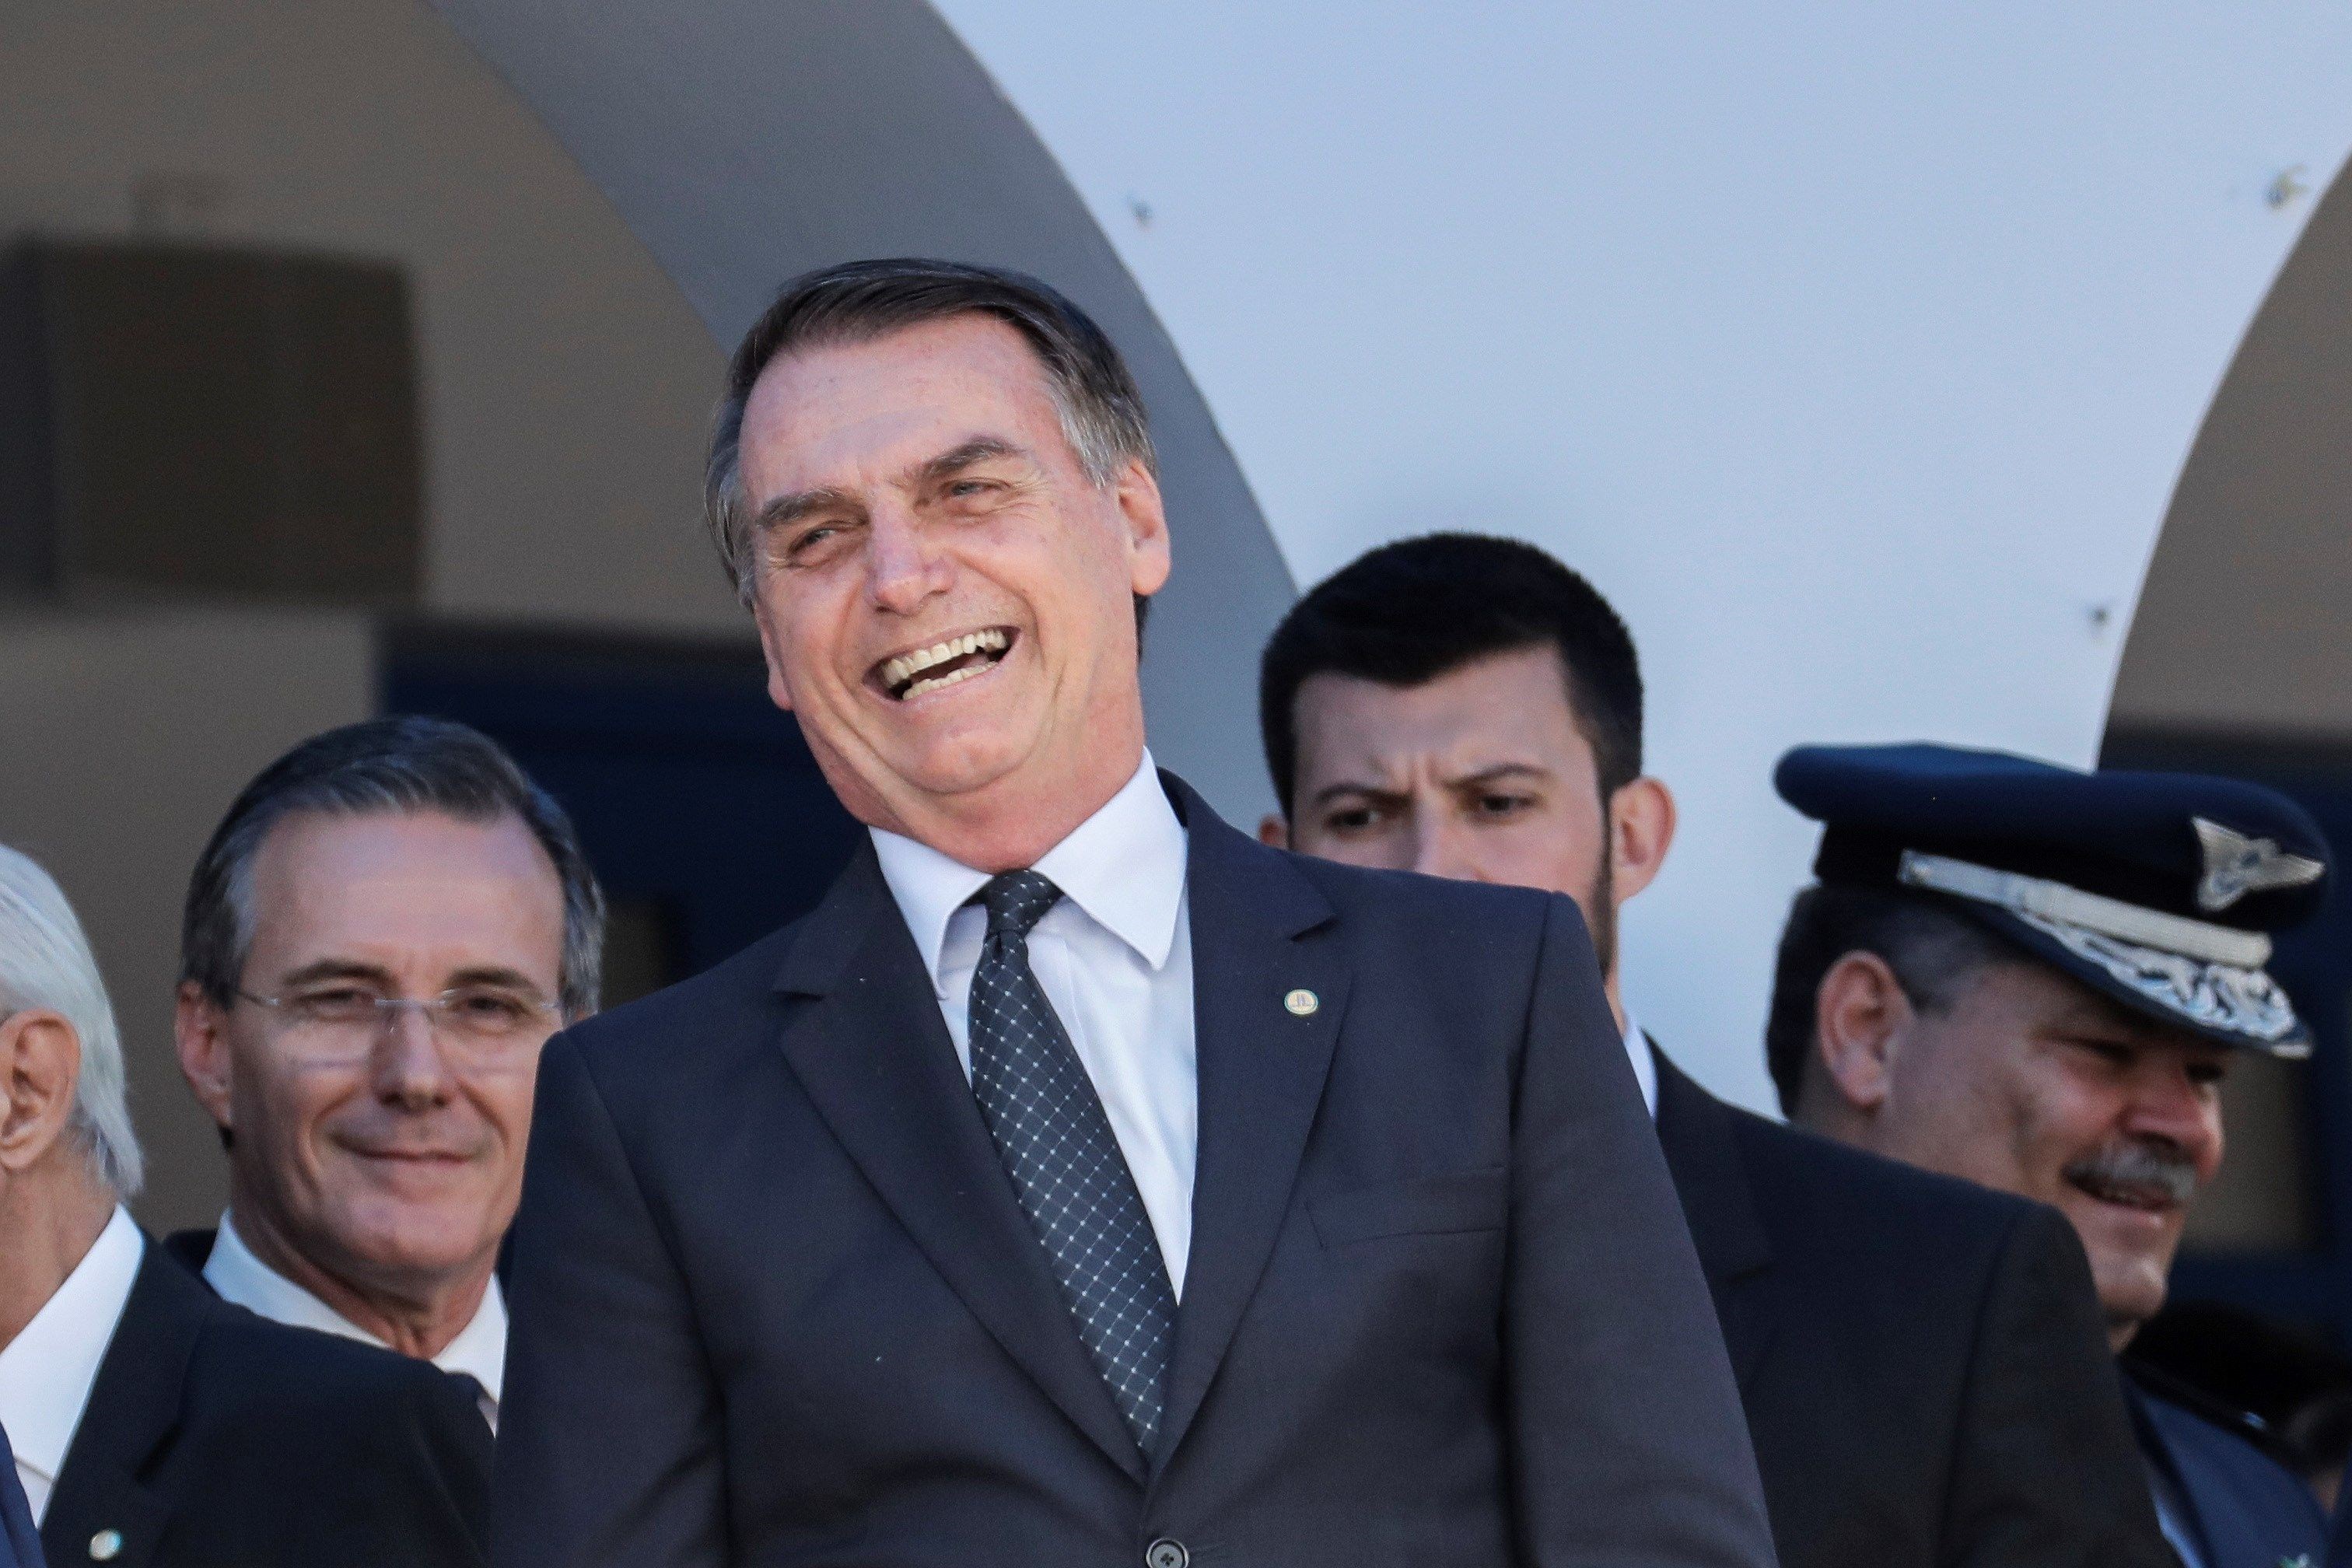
<point x="1645" y="1065"/>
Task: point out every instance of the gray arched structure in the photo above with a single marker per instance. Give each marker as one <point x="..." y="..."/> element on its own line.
<point x="2240" y="660"/>
<point x="2241" y="631"/>
<point x="745" y="141"/>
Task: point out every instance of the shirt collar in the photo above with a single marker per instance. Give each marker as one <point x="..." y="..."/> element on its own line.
<point x="1124" y="866"/>
<point x="237" y="1274"/>
<point x="1646" y="1067"/>
<point x="46" y="1371"/>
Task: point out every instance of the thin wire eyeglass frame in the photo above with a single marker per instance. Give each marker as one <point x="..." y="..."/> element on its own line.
<point x="358" y="1035"/>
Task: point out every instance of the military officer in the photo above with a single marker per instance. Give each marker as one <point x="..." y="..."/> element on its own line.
<point x="2037" y="978"/>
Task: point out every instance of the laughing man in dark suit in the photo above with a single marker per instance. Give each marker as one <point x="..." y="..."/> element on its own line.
<point x="1082" y="1182"/>
<point x="1920" y="1359"/>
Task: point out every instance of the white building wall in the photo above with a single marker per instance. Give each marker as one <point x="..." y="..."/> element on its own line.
<point x="1853" y="350"/>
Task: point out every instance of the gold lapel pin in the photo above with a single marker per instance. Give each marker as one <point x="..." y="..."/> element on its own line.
<point x="1302" y="1002"/>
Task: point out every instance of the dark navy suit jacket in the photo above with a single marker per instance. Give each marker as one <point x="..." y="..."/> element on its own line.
<point x="214" y="1439"/>
<point x="2241" y="1508"/>
<point x="19" y="1546"/>
<point x="773" y="1301"/>
<point x="1925" y="1372"/>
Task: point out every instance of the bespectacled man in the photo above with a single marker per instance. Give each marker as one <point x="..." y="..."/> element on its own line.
<point x="148" y="1422"/>
<point x="382" y="934"/>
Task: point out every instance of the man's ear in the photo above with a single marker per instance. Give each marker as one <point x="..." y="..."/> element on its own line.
<point x="40" y="1061"/>
<point x="1148" y="560"/>
<point x="1859" y="1015"/>
<point x="1641" y="830"/>
<point x="200" y="1034"/>
<point x="1272" y="831"/>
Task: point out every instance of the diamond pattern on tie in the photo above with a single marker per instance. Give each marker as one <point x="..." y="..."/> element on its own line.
<point x="1064" y="1164"/>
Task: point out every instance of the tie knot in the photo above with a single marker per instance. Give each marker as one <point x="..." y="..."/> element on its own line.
<point x="1016" y="901"/>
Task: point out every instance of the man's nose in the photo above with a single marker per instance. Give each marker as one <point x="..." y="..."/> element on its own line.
<point x="409" y="1066"/>
<point x="1442" y="848"/>
<point x="904" y="563"/>
<point x="2168" y="1104"/>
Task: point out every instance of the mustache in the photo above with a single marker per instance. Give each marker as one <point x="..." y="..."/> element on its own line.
<point x="2139" y="1163"/>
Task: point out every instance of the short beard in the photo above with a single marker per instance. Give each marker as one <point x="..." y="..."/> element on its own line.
<point x="1602" y="902"/>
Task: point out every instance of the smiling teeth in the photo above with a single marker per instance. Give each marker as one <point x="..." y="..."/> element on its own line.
<point x="908" y="665"/>
<point x="937" y="681"/>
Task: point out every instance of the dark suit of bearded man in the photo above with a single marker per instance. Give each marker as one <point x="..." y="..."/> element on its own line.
<point x="1922" y="1361"/>
<point x="1082" y="1182"/>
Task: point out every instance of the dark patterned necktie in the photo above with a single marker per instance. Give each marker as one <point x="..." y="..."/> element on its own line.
<point x="1067" y="1173"/>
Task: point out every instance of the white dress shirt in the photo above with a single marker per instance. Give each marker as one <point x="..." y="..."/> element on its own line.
<point x="46" y="1371"/>
<point x="1645" y="1065"/>
<point x="1115" y="958"/>
<point x="237" y="1275"/>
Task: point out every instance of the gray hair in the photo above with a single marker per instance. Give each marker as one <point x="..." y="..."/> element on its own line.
<point x="1101" y="412"/>
<point x="394" y="765"/>
<point x="45" y="962"/>
<point x="1935" y="948"/>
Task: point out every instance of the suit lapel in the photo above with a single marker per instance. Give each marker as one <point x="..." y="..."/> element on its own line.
<point x="1263" y="1063"/>
<point x="134" y="1405"/>
<point x="867" y="1044"/>
<point x="1700" y="1138"/>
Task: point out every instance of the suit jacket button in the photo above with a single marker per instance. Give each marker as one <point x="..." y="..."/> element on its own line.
<point x="1166" y="1553"/>
<point x="106" y="1543"/>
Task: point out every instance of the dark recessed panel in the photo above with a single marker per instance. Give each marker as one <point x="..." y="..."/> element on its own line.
<point x="210" y="424"/>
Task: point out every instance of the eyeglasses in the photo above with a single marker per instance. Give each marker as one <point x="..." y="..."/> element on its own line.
<point x="489" y="1021"/>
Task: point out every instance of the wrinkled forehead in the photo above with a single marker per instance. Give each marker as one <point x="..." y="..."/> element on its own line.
<point x="863" y="412"/>
<point x="1508" y="709"/>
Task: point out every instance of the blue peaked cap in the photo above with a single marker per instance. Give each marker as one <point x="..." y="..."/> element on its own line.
<point x="2159" y="890"/>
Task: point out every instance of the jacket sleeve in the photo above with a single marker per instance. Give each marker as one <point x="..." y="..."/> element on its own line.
<point x="2046" y="1472"/>
<point x="1628" y="1446"/>
<point x="609" y="1442"/>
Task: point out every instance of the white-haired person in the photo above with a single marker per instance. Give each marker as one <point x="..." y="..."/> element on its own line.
<point x="151" y="1421"/>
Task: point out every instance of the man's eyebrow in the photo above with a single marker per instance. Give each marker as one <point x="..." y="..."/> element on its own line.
<point x="339" y="969"/>
<point x="955" y="459"/>
<point x="797" y="504"/>
<point x="1498" y="772"/>
<point x="1330" y="792"/>
<point x="497" y="975"/>
<point x="2097" y="1015"/>
<point x="794" y="505"/>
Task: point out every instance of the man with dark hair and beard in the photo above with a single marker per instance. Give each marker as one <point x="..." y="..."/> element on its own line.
<point x="2036" y="978"/>
<point x="1920" y="1360"/>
